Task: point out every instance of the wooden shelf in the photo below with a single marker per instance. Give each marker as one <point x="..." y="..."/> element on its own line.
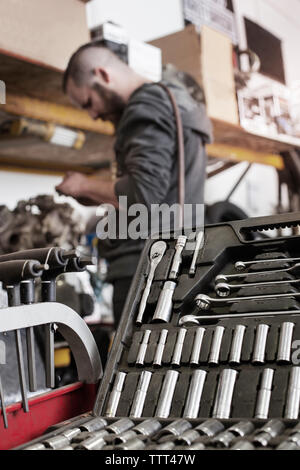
<point x="28" y="81"/>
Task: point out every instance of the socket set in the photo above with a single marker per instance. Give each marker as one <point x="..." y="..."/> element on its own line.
<point x="179" y="435"/>
<point x="211" y="332"/>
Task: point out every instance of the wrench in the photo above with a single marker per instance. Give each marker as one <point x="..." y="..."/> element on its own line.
<point x="204" y="302"/>
<point x="192" y="320"/>
<point x="242" y="265"/>
<point x="224" y="290"/>
<point x="198" y="245"/>
<point x="157" y="251"/>
<point x="236" y="277"/>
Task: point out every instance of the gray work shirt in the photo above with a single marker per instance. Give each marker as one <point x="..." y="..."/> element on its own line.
<point x="147" y="161"/>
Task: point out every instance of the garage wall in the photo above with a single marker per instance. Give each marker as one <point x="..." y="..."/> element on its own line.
<point x="281" y="18"/>
<point x="144" y="19"/>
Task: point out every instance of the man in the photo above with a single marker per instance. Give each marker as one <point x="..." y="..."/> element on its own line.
<point x="146" y="147"/>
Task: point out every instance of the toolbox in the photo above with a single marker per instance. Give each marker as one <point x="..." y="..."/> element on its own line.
<point x="225" y="357"/>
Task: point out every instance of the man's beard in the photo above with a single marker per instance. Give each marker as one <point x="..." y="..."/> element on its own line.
<point x="114" y="104"/>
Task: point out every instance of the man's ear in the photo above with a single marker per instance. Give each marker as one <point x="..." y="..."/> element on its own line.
<point x="101" y="73"/>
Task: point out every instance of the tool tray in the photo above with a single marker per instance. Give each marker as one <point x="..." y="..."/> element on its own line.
<point x="224" y="245"/>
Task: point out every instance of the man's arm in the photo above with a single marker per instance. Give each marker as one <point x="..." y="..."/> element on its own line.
<point x="88" y="190"/>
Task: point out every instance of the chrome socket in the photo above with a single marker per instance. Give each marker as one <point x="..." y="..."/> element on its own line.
<point x="193" y="401"/>
<point x="157" y="362"/>
<point x="260" y="344"/>
<point x="285" y="342"/>
<point x="216" y="345"/>
<point x="140" y="395"/>
<point x="237" y="344"/>
<point x="143" y="348"/>
<point x="115" y="395"/>
<point x="198" y="340"/>
<point x="222" y="407"/>
<point x="293" y="396"/>
<point x="166" y="394"/>
<point x="178" y="347"/>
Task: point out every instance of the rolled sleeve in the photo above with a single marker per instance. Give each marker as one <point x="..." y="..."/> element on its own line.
<point x="148" y="149"/>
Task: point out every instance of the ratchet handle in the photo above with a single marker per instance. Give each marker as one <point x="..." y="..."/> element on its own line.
<point x="13" y="272"/>
<point x="53" y="256"/>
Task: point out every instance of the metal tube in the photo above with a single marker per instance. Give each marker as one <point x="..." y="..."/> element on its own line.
<point x="163" y="310"/>
<point x="210" y="428"/>
<point x="224" y="439"/>
<point x="237" y="344"/>
<point x="160" y="348"/>
<point x="177" y="260"/>
<point x="4" y="415"/>
<point x="243" y="445"/>
<point x="285" y="342"/>
<point x="95" y="424"/>
<point x="242" y="429"/>
<point x="216" y="345"/>
<point x="222" y="406"/>
<point x="270" y="430"/>
<point x="164" y="446"/>
<point x="133" y="444"/>
<point x="293" y="397"/>
<point x="28" y="297"/>
<point x="195" y="446"/>
<point x="95" y="442"/>
<point x="260" y="344"/>
<point x="21" y="368"/>
<point x="199" y="335"/>
<point x="188" y="437"/>
<point x="264" y="395"/>
<point x="178" y="347"/>
<point x="148" y="427"/>
<point x="177" y="428"/>
<point x="193" y="401"/>
<point x="124" y="437"/>
<point x="166" y="394"/>
<point x="37" y="446"/>
<point x="120" y="426"/>
<point x="13" y="294"/>
<point x="71" y="433"/>
<point x="143" y="348"/>
<point x="115" y="395"/>
<point x="56" y="442"/>
<point x="199" y="241"/>
<point x="140" y="395"/>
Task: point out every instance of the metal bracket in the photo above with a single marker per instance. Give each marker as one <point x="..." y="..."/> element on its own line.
<point x="71" y="326"/>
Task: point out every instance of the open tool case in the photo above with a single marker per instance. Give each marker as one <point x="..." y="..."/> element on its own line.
<point x="224" y="245"/>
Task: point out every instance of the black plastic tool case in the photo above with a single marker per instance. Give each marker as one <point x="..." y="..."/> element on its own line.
<point x="224" y="245"/>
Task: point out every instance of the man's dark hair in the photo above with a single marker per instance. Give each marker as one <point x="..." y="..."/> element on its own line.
<point x="76" y="69"/>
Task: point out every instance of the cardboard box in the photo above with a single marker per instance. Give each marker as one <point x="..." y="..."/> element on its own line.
<point x="46" y="32"/>
<point x="209" y="60"/>
<point x="140" y="56"/>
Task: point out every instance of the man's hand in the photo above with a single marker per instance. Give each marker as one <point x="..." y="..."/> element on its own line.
<point x="72" y="185"/>
<point x="89" y="190"/>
